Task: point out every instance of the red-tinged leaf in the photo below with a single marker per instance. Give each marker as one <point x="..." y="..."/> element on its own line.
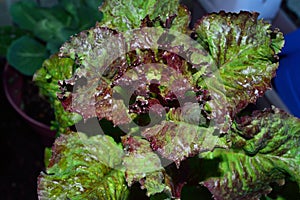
<point x="243" y="177"/>
<point x="143" y="165"/>
<point x="244" y="50"/>
<point x="177" y="140"/>
<point x="84" y="168"/>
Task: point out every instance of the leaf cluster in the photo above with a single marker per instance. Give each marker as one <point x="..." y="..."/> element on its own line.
<point x="163" y="108"/>
<point x="38" y="31"/>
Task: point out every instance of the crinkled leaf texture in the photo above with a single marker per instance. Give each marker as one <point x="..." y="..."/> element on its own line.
<point x="46" y="78"/>
<point x="177" y="140"/>
<point x="124" y="15"/>
<point x="173" y="92"/>
<point x="143" y="165"/>
<point x="155" y="88"/>
<point x="245" y="52"/>
<point x="271" y="144"/>
<point x="114" y="64"/>
<point x="84" y="168"/>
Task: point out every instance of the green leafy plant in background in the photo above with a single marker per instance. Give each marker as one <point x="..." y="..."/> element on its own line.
<point x="38" y="31"/>
<point x="171" y="106"/>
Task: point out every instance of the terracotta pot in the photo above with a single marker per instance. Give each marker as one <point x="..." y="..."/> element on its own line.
<point x="12" y="83"/>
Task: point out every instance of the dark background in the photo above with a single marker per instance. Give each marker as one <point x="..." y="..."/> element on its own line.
<point x="21" y="151"/>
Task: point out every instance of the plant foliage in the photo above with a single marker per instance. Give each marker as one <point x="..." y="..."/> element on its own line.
<point x="169" y="104"/>
<point x="45" y="30"/>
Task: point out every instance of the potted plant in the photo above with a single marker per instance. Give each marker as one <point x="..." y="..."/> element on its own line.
<point x="37" y="32"/>
<point x="166" y="110"/>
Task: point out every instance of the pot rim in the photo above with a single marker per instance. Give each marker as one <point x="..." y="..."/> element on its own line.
<point x="6" y="70"/>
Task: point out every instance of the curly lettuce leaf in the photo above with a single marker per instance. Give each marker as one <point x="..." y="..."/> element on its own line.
<point x="195" y="89"/>
<point x="47" y="78"/>
<point x="53" y="70"/>
<point x="126" y="15"/>
<point x="243" y="176"/>
<point x="108" y="60"/>
<point x="271" y="132"/>
<point x="84" y="168"/>
<point x="143" y="165"/>
<point x="269" y="143"/>
<point x="102" y="76"/>
<point x="89" y="92"/>
<point x="244" y="51"/>
<point x="156" y="81"/>
<point x="181" y="136"/>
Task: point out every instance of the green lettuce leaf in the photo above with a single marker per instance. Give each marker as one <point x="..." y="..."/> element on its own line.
<point x="271" y="144"/>
<point x="93" y="97"/>
<point x="142" y="82"/>
<point x="177" y="92"/>
<point x="244" y="51"/>
<point x="53" y="70"/>
<point x="47" y="78"/>
<point x="243" y="176"/>
<point x="181" y="137"/>
<point x="125" y="15"/>
<point x="84" y="168"/>
<point x="143" y="165"/>
<point x="271" y="132"/>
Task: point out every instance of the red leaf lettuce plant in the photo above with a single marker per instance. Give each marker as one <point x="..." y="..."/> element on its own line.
<point x="163" y="108"/>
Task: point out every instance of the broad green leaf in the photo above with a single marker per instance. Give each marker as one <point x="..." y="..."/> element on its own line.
<point x="87" y="21"/>
<point x="94" y="4"/>
<point x="84" y="13"/>
<point x="46" y="28"/>
<point x="50" y="23"/>
<point x="26" y="55"/>
<point x="7" y="35"/>
<point x="26" y="14"/>
<point x="53" y="46"/>
<point x="42" y="21"/>
<point x="244" y="50"/>
<point x="84" y="168"/>
<point x="143" y="165"/>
